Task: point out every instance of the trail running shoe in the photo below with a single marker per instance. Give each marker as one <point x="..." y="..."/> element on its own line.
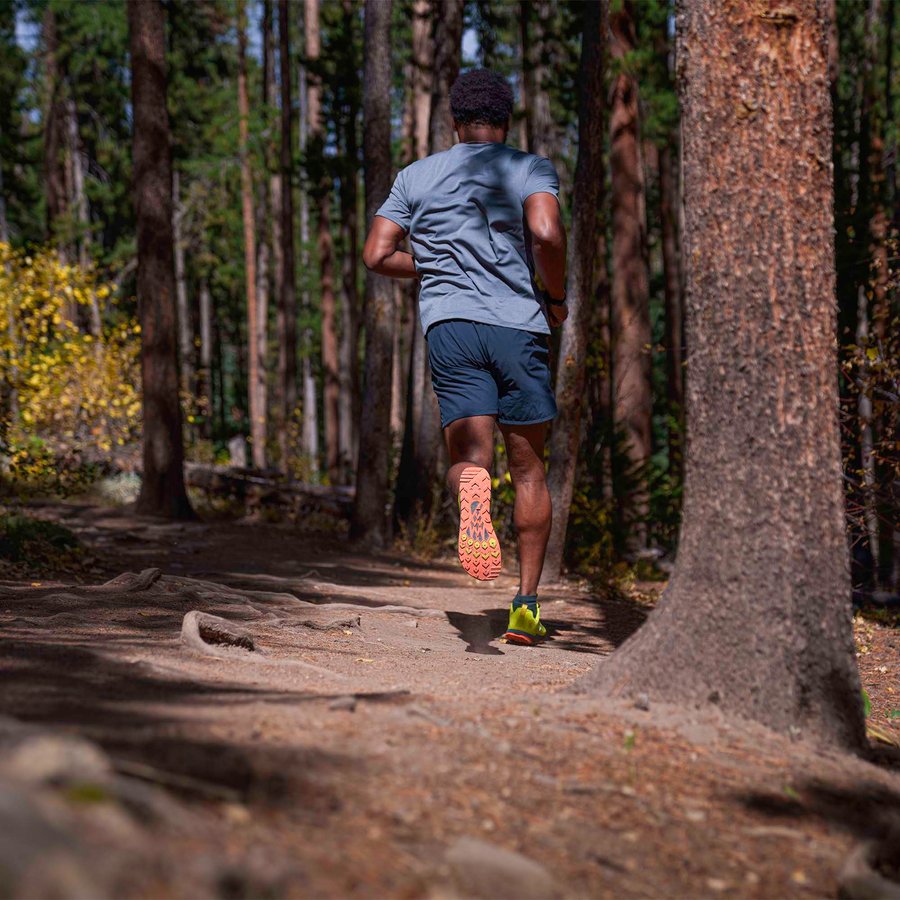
<point x="479" y="549"/>
<point x="524" y="625"/>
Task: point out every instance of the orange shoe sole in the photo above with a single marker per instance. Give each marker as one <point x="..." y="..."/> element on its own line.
<point x="479" y="549"/>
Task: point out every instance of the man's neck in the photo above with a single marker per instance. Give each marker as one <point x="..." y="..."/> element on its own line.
<point x="481" y="134"/>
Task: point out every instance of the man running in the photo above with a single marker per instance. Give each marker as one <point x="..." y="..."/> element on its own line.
<point x="489" y="248"/>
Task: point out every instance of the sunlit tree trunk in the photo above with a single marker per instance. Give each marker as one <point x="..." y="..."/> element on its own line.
<point x="321" y="188"/>
<point x="287" y="307"/>
<point x="349" y="343"/>
<point x="162" y="484"/>
<point x="254" y="375"/>
<point x="565" y="438"/>
<point x="310" y="432"/>
<point x="369" y="520"/>
<point x="757" y="616"/>
<point x="630" y="336"/>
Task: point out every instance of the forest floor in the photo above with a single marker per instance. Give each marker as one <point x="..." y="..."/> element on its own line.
<point x="379" y="741"/>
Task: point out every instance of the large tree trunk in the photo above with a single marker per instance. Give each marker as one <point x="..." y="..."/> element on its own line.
<point x="287" y="306"/>
<point x="565" y="439"/>
<point x="757" y="615"/>
<point x="369" y="521"/>
<point x="255" y="397"/>
<point x="321" y="186"/>
<point x="632" y="395"/>
<point x="162" y="485"/>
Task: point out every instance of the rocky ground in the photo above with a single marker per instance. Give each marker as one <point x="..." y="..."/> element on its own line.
<point x="354" y="728"/>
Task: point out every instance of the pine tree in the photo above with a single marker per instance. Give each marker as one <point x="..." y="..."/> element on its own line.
<point x="757" y="616"/>
<point x="565" y="438"/>
<point x="369" y="520"/>
<point x="162" y="485"/>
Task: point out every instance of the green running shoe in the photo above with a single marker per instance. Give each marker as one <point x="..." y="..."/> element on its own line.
<point x="524" y="625"/>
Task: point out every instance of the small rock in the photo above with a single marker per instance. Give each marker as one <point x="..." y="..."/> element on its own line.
<point x="484" y="870"/>
<point x="642" y="701"/>
<point x="52" y="759"/>
<point x="348" y="703"/>
<point x="717" y="884"/>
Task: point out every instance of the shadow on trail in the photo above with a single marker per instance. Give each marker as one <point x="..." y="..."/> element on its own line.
<point x="140" y="717"/>
<point x="613" y="621"/>
<point x="868" y="810"/>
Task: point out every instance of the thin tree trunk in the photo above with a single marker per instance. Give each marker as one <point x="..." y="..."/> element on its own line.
<point x="54" y="133"/>
<point x="369" y="521"/>
<point x="447" y="47"/>
<point x="630" y="292"/>
<point x="205" y="385"/>
<point x="540" y="126"/>
<point x="185" y="340"/>
<point x="349" y="406"/>
<point x="418" y="385"/>
<point x="757" y="616"/>
<point x="264" y="246"/>
<point x="254" y="379"/>
<point x="322" y="194"/>
<point x="565" y="439"/>
<point x="310" y="404"/>
<point x="287" y="308"/>
<point x="162" y="485"/>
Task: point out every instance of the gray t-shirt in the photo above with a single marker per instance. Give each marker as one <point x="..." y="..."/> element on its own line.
<point x="463" y="209"/>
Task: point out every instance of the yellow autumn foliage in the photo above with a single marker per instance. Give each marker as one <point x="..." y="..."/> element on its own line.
<point x="66" y="394"/>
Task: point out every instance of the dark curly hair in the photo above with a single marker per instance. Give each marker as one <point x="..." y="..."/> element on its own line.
<point x="481" y="97"/>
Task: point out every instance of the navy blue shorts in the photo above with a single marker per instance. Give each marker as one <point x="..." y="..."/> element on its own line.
<point x="489" y="370"/>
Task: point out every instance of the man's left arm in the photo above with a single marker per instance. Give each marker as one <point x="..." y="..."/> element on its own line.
<point x="381" y="254"/>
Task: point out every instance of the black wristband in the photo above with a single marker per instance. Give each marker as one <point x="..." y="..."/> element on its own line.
<point x="553" y="302"/>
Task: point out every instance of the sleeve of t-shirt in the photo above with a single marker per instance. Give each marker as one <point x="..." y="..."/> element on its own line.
<point x="396" y="207"/>
<point x="541" y="178"/>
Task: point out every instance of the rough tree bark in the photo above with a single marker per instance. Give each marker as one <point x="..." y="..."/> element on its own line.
<point x="668" y="204"/>
<point x="570" y="371"/>
<point x="369" y="521"/>
<point x="757" y="617"/>
<point x="162" y="484"/>
<point x="256" y="403"/>
<point x="630" y="332"/>
<point x="287" y="301"/>
<point x="321" y="187"/>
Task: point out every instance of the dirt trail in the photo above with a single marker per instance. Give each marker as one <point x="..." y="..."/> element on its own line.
<point x="379" y="741"/>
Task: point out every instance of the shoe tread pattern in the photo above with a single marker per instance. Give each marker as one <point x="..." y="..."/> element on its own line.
<point x="479" y="549"/>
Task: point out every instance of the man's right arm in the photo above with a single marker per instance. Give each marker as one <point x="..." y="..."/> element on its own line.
<point x="548" y="249"/>
<point x="380" y="253"/>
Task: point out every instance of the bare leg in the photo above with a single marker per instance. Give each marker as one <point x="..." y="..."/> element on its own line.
<point x="525" y="450"/>
<point x="470" y="442"/>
